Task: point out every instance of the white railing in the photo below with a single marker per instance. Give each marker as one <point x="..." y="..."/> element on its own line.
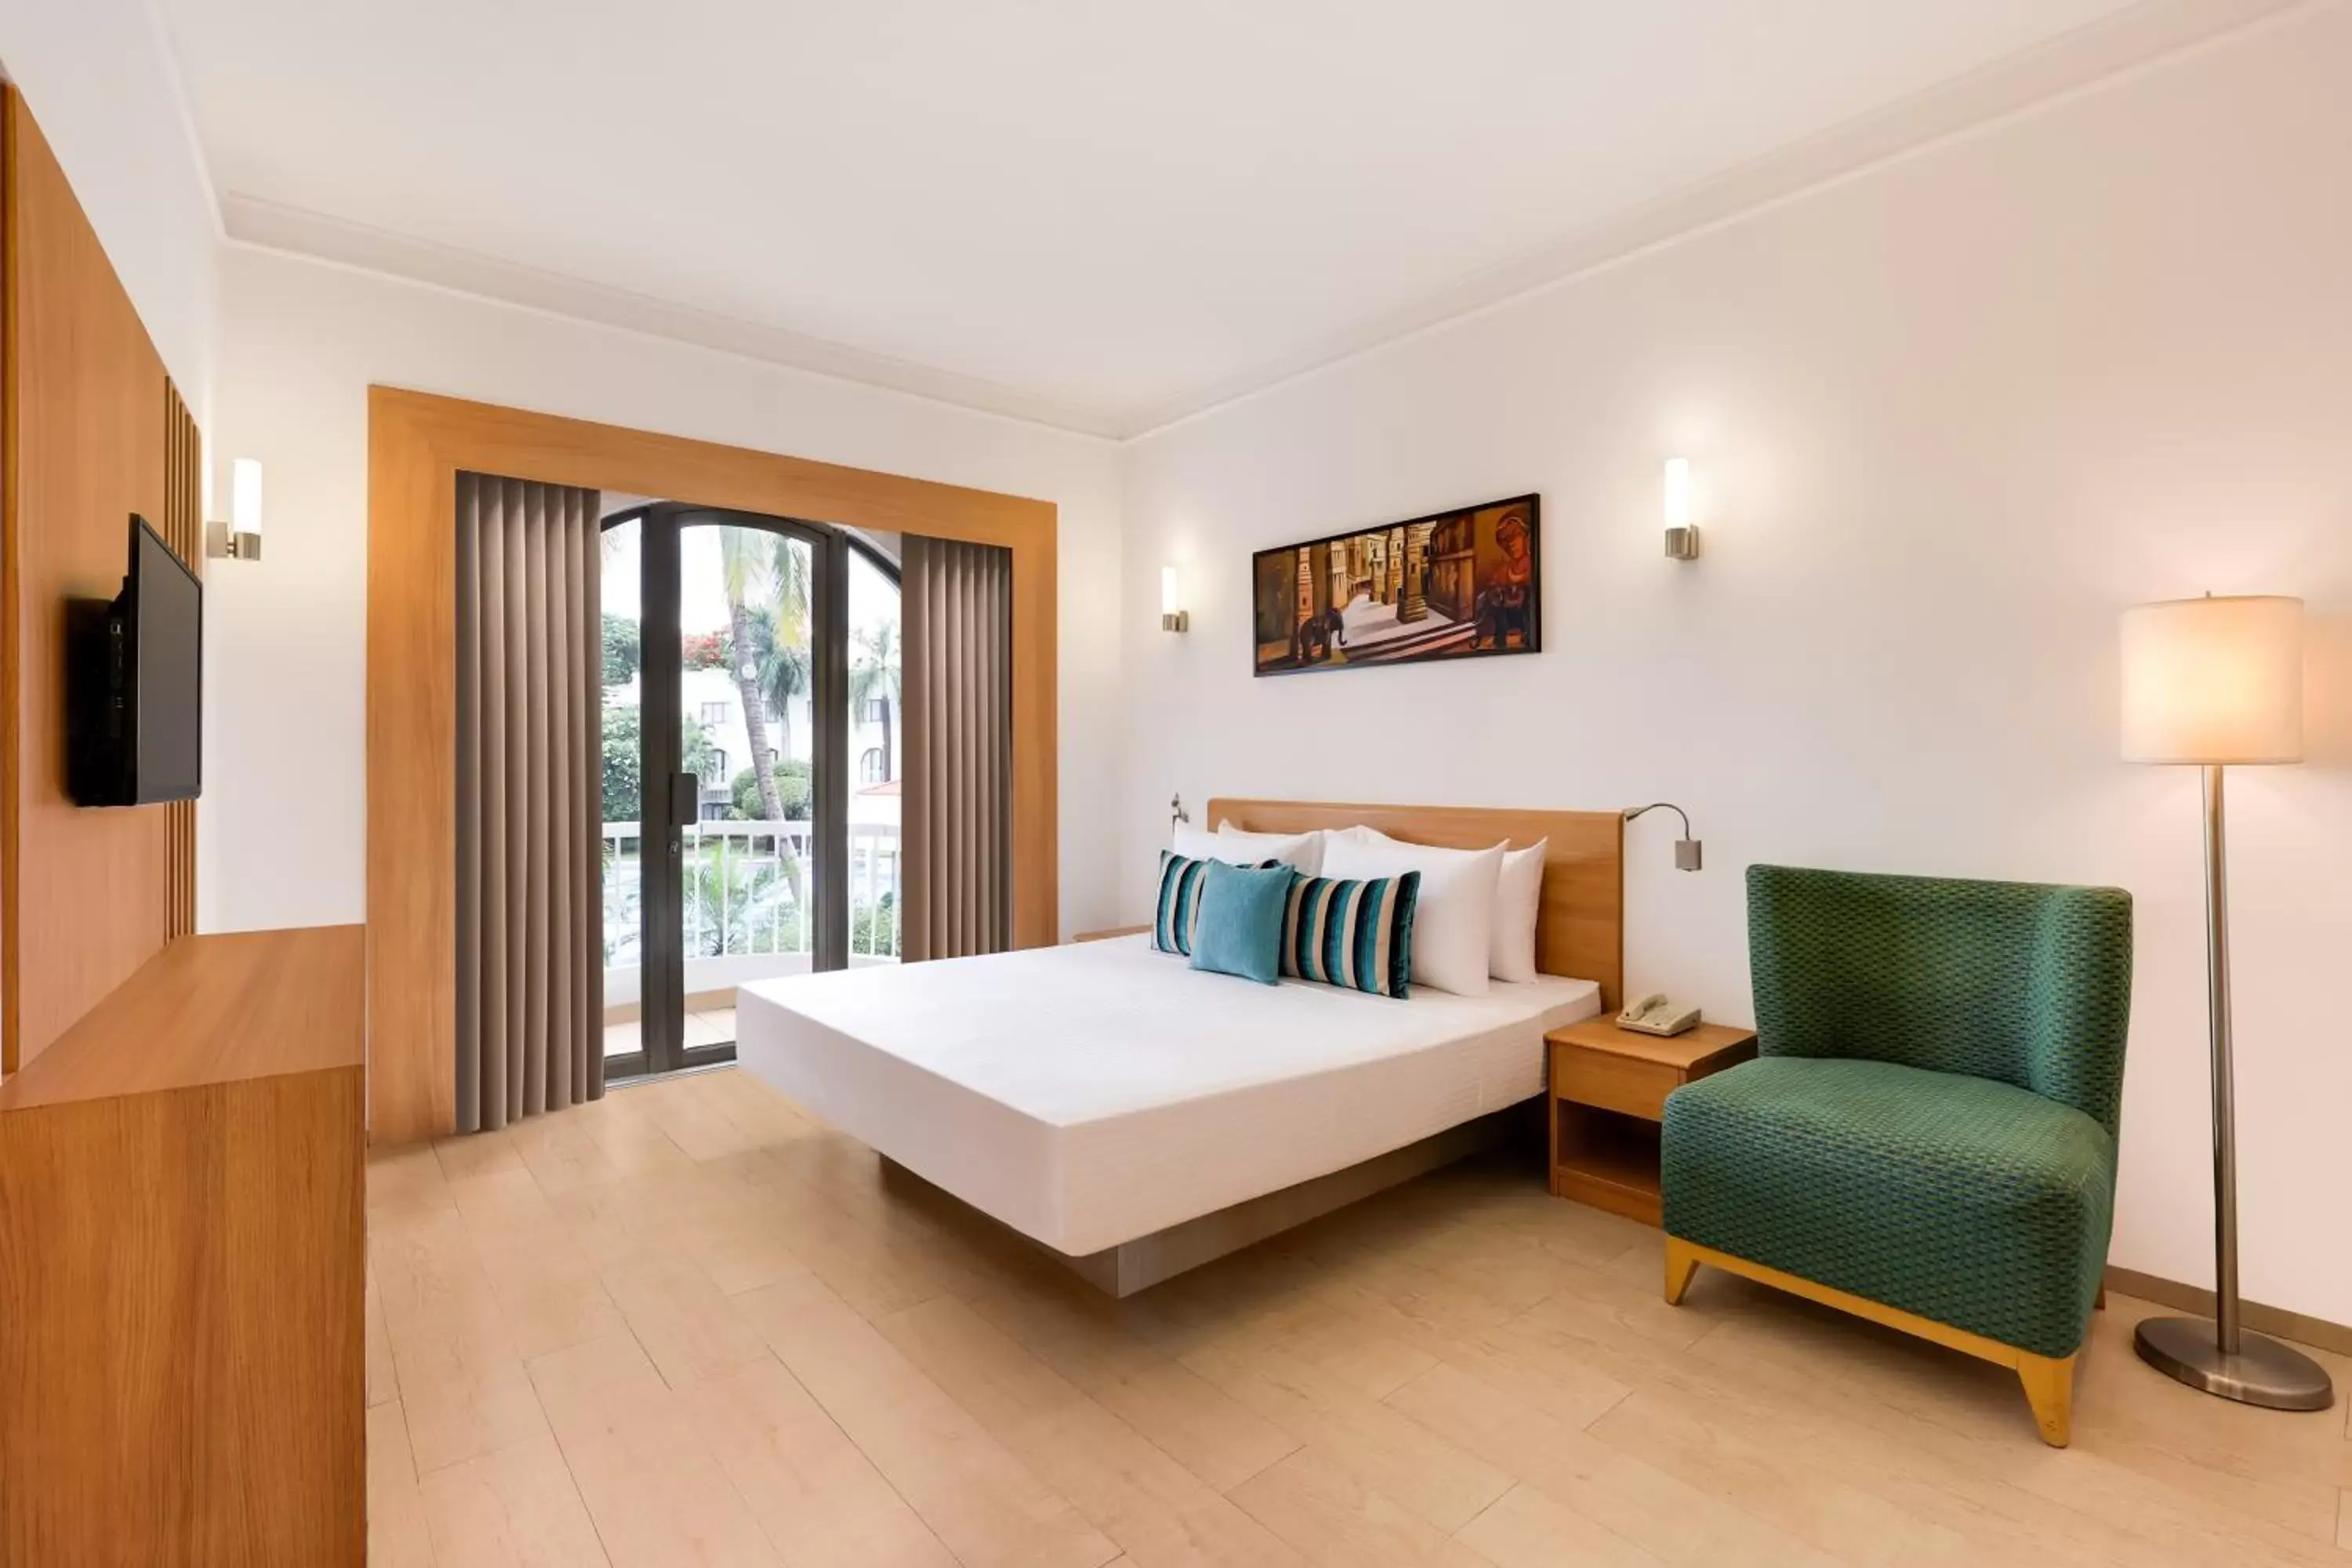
<point x="747" y="891"/>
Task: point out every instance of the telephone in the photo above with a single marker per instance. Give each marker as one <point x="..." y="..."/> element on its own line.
<point x="1657" y="1013"/>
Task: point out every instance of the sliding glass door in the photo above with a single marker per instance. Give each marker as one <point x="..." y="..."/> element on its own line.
<point x="748" y="832"/>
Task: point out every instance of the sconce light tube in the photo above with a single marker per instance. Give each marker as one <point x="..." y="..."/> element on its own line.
<point x="1173" y="617"/>
<point x="239" y="539"/>
<point x="1682" y="534"/>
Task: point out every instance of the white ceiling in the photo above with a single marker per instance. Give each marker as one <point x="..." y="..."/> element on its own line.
<point x="1105" y="210"/>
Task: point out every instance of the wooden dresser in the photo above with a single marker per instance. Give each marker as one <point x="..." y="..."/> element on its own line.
<point x="182" y="1365"/>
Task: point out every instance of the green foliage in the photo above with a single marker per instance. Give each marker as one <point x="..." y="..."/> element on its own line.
<point x="623" y="750"/>
<point x="872" y="929"/>
<point x="792" y="792"/>
<point x="622" y="765"/>
<point x="730" y="903"/>
<point x="873" y="666"/>
<point x="622" y="654"/>
<point x="695" y="754"/>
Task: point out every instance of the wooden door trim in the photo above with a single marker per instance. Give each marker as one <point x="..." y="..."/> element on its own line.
<point x="417" y="443"/>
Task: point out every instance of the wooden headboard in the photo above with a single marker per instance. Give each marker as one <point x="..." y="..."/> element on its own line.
<point x="1580" y="926"/>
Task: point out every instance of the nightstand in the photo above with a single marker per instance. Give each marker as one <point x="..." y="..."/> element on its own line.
<point x="1608" y="1091"/>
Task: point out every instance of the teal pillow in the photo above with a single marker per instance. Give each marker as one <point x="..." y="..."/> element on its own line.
<point x="1176" y="909"/>
<point x="1238" y="927"/>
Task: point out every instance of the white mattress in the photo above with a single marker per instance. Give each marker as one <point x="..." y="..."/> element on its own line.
<point x="1090" y="1094"/>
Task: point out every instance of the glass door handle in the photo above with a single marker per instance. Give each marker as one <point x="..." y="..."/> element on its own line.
<point x="685" y="801"/>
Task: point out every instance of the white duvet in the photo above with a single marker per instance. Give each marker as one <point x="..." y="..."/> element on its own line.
<point x="1090" y="1094"/>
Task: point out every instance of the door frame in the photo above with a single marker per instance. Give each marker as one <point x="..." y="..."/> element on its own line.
<point x="417" y="443"/>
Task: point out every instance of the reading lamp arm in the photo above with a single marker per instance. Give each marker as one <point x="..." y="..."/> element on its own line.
<point x="1633" y="812"/>
<point x="1686" y="847"/>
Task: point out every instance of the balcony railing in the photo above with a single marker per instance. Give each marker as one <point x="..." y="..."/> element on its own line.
<point x="748" y="890"/>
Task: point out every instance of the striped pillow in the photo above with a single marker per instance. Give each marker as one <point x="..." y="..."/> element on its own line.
<point x="1176" y="913"/>
<point x="1353" y="935"/>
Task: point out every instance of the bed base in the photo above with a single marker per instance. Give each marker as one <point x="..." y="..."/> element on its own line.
<point x="1138" y="1265"/>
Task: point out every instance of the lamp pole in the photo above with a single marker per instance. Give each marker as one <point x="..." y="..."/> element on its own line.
<point x="2220" y="1357"/>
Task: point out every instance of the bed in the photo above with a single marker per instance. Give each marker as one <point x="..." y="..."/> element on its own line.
<point x="1136" y="1117"/>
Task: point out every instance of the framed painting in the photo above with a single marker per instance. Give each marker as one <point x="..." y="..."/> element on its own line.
<point x="1455" y="584"/>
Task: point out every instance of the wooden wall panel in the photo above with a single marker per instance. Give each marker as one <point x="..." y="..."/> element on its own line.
<point x="86" y="894"/>
<point x="183" y="531"/>
<point x="417" y="445"/>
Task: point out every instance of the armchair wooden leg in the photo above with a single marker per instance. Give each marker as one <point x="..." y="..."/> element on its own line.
<point x="2049" y="1390"/>
<point x="1681" y="1264"/>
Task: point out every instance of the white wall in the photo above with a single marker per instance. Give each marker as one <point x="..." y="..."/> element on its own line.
<point x="98" y="78"/>
<point x="280" y="832"/>
<point x="1954" y="414"/>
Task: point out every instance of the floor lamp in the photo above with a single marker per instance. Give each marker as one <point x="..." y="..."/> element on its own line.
<point x="2214" y="683"/>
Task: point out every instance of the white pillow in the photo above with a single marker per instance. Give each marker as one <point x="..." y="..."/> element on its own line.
<point x="1231" y="845"/>
<point x="1518" y="895"/>
<point x="1454" y="920"/>
<point x="1194" y="843"/>
<point x="1303" y="852"/>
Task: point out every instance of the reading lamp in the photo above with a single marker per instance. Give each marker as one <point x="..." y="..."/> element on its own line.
<point x="1686" y="849"/>
<point x="2211" y="682"/>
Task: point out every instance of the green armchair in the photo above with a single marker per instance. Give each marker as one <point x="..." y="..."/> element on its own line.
<point x="1927" y="1135"/>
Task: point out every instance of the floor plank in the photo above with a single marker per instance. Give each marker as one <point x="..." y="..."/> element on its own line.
<point x="644" y="1466"/>
<point x="820" y="1500"/>
<point x="1159" y="1513"/>
<point x="1323" y="1509"/>
<point x="516" y="1508"/>
<point x="988" y="1507"/>
<point x="398" y="1535"/>
<point x="461" y="1379"/>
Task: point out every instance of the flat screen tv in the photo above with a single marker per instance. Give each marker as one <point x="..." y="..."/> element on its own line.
<point x="136" y="683"/>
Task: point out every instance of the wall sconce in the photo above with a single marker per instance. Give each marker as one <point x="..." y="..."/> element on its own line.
<point x="1173" y="617"/>
<point x="239" y="539"/>
<point x="1686" y="849"/>
<point x="1682" y="533"/>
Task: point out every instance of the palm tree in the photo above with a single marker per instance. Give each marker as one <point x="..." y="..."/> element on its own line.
<point x="747" y="557"/>
<point x="874" y="677"/>
<point x="781" y="633"/>
<point x="784" y="675"/>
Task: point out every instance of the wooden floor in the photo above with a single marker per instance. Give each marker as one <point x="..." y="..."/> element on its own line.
<point x="686" y="1325"/>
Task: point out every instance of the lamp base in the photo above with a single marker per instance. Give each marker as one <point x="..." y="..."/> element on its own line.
<point x="2263" y="1372"/>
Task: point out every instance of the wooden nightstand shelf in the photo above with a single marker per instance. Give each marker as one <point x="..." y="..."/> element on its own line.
<point x="1608" y="1091"/>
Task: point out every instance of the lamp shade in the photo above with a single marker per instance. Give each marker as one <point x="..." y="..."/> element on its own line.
<point x="2213" y="680"/>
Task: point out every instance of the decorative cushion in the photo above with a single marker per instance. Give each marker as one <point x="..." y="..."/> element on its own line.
<point x="1237" y="928"/>
<point x="1357" y="935"/>
<point x="1177" y="910"/>
<point x="1973" y="1202"/>
<point x="1454" y="918"/>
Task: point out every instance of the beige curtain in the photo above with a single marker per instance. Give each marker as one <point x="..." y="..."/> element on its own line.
<point x="530" y="957"/>
<point x="956" y="606"/>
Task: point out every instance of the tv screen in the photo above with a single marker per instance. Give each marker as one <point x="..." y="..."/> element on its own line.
<point x="164" y="613"/>
<point x="134" y="683"/>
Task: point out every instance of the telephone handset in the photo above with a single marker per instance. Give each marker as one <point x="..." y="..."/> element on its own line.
<point x="1657" y="1013"/>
